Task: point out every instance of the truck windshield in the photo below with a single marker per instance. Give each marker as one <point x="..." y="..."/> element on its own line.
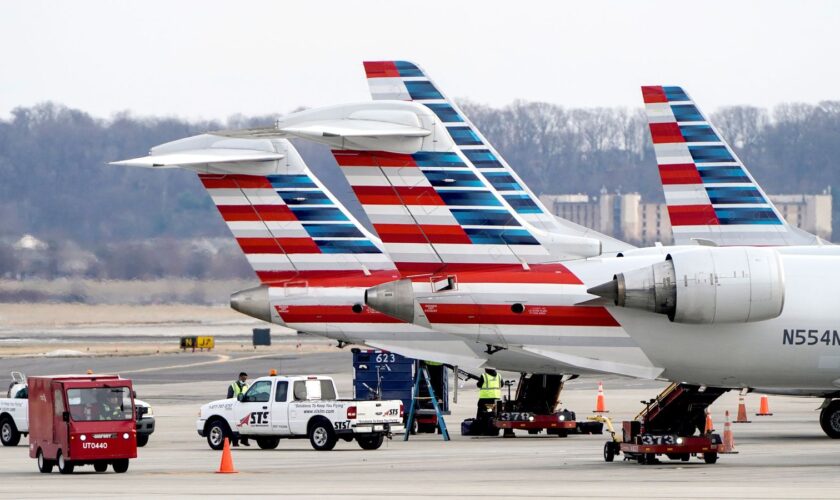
<point x="100" y="403"/>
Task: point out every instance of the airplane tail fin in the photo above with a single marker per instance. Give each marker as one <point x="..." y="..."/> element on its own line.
<point x="710" y="194"/>
<point x="289" y="226"/>
<point x="406" y="81"/>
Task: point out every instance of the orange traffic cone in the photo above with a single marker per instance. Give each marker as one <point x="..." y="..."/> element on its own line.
<point x="226" y="467"/>
<point x="764" y="408"/>
<point x="600" y="404"/>
<point x="742" y="412"/>
<point x="710" y="426"/>
<point x="728" y="445"/>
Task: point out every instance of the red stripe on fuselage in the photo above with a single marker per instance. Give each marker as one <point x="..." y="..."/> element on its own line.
<point x="681" y="173"/>
<point x="502" y="314"/>
<point x="692" y="215"/>
<point x="234" y="181"/>
<point x="331" y="314"/>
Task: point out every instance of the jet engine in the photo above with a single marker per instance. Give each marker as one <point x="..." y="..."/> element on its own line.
<point x="704" y="286"/>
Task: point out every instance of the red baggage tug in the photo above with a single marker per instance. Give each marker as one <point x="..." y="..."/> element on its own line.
<point x="81" y="420"/>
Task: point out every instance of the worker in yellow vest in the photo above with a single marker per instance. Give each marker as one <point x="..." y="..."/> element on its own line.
<point x="489" y="391"/>
<point x="236" y="389"/>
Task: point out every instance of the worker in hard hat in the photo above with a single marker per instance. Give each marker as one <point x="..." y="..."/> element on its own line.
<point x="489" y="391"/>
<point x="236" y="389"/>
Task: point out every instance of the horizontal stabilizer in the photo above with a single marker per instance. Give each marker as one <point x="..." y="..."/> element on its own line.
<point x="598" y="365"/>
<point x="199" y="157"/>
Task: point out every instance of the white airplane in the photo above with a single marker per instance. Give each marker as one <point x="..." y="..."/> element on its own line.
<point x="475" y="263"/>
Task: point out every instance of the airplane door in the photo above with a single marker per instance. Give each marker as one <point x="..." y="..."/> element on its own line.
<point x="254" y="411"/>
<point x="279" y="417"/>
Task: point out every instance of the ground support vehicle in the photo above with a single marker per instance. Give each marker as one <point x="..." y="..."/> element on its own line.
<point x="385" y="375"/>
<point x="276" y="408"/>
<point x="79" y="420"/>
<point x="672" y="425"/>
<point x="14" y="414"/>
<point x="534" y="409"/>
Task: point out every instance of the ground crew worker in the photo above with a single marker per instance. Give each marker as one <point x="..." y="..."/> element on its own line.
<point x="111" y="408"/>
<point x="237" y="388"/>
<point x="490" y="391"/>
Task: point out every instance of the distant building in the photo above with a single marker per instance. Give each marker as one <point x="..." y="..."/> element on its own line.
<point x="627" y="217"/>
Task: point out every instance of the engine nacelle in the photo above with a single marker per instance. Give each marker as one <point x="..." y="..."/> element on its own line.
<point x="705" y="286"/>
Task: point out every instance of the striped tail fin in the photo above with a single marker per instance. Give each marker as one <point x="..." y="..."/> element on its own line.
<point x="710" y="194"/>
<point x="406" y="81"/>
<point x="290" y="227"/>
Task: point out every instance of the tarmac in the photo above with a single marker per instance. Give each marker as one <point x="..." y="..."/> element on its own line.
<point x="782" y="456"/>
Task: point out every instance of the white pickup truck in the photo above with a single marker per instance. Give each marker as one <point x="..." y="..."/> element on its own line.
<point x="14" y="414"/>
<point x="277" y="408"/>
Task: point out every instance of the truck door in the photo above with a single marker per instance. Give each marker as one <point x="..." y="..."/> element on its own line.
<point x="253" y="412"/>
<point x="279" y="416"/>
<point x="61" y="429"/>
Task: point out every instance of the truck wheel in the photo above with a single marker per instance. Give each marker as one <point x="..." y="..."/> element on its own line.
<point x="120" y="465"/>
<point x="9" y="434"/>
<point x="216" y="431"/>
<point x="710" y="457"/>
<point x="609" y="451"/>
<point x="830" y="419"/>
<point x="321" y="435"/>
<point x="44" y="465"/>
<point x="64" y="466"/>
<point x="100" y="466"/>
<point x="142" y="440"/>
<point x="370" y="441"/>
<point x="268" y="443"/>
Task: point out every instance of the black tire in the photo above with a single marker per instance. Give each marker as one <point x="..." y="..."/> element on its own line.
<point x="100" y="466"/>
<point x="44" y="465"/>
<point x="830" y="419"/>
<point x="321" y="435"/>
<point x="561" y="433"/>
<point x="370" y="441"/>
<point x="120" y="465"/>
<point x="142" y="440"/>
<point x="216" y="431"/>
<point x="9" y="434"/>
<point x="268" y="443"/>
<point x="710" y="457"/>
<point x="609" y="451"/>
<point x="534" y="432"/>
<point x="64" y="466"/>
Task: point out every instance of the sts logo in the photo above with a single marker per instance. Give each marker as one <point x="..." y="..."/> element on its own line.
<point x="255" y="419"/>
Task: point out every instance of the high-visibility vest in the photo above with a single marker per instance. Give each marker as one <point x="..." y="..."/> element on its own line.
<point x="238" y="390"/>
<point x="491" y="386"/>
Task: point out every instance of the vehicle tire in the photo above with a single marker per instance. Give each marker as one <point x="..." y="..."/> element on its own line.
<point x="9" y="434"/>
<point x="321" y="435"/>
<point x="100" y="466"/>
<point x="216" y="431"/>
<point x="534" y="432"/>
<point x="561" y="433"/>
<point x="44" y="465"/>
<point x="710" y="457"/>
<point x="609" y="451"/>
<point x="120" y="465"/>
<point x="268" y="443"/>
<point x="142" y="440"/>
<point x="64" y="466"/>
<point x="370" y="441"/>
<point x="830" y="419"/>
<point x="650" y="458"/>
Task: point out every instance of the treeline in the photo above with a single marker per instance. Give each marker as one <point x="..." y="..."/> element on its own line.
<point x="55" y="183"/>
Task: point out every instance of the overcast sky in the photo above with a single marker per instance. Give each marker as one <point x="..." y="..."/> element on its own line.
<point x="212" y="59"/>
